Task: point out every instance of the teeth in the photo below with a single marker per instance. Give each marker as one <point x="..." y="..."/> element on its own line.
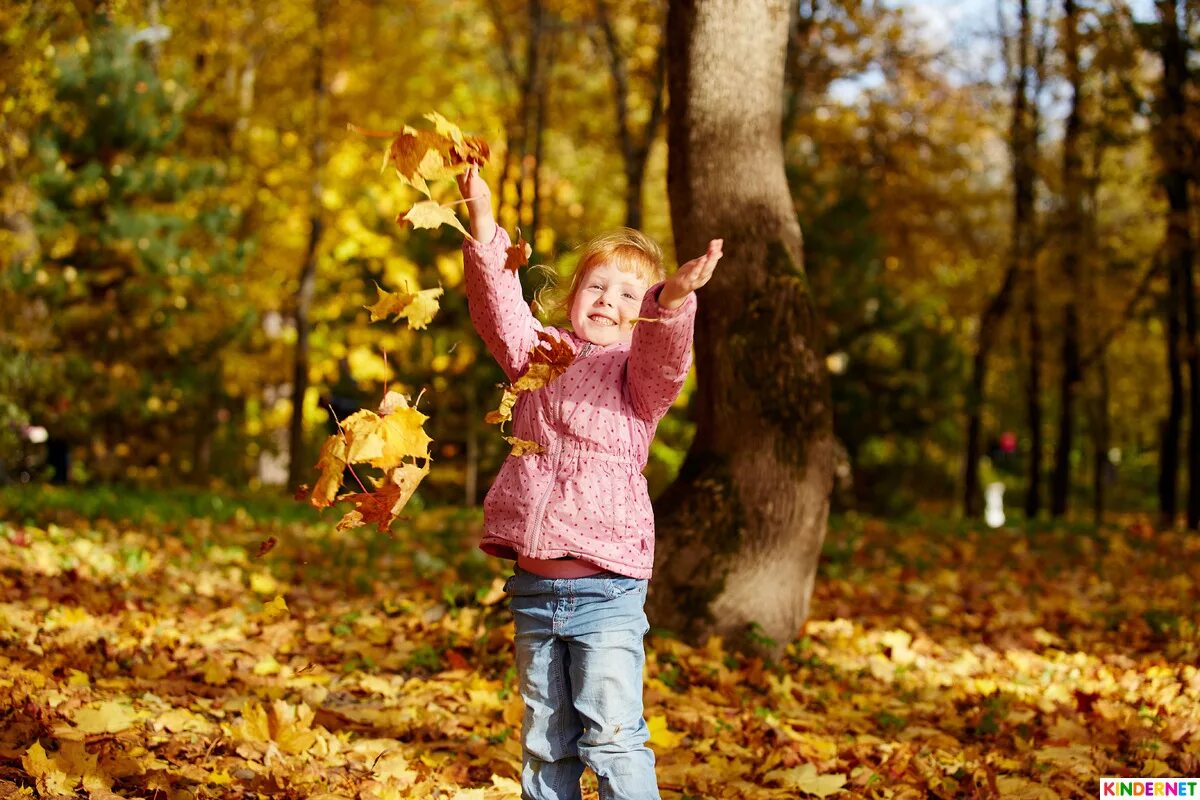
<point x="601" y="320"/>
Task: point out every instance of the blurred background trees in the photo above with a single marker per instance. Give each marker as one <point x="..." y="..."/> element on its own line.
<point x="999" y="229"/>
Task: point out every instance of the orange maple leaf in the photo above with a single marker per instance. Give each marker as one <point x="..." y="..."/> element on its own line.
<point x="548" y="359"/>
<point x="518" y="255"/>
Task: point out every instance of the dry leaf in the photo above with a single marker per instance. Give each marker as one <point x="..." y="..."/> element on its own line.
<point x="518" y="254"/>
<point x="504" y="412"/>
<point x="548" y="359"/>
<point x="431" y="214"/>
<point x="523" y="447"/>
<point x="418" y="308"/>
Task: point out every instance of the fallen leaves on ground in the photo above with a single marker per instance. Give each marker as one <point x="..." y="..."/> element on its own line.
<point x="141" y="658"/>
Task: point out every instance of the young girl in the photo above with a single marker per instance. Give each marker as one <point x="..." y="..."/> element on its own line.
<point x="577" y="517"/>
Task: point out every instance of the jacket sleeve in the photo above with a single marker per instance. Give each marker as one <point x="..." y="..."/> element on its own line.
<point x="659" y="355"/>
<point x="498" y="309"/>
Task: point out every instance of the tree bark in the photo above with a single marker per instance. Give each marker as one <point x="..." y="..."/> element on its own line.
<point x="1072" y="259"/>
<point x="1174" y="151"/>
<point x="740" y="531"/>
<point x="1101" y="437"/>
<point x="308" y="272"/>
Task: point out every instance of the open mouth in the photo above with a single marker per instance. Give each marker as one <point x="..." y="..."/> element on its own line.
<point x="601" y="320"/>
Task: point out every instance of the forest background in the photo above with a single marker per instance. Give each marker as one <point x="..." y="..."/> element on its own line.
<point x="998" y="245"/>
<point x="153" y="322"/>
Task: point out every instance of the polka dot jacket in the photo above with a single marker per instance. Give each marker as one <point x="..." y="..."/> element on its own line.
<point x="585" y="496"/>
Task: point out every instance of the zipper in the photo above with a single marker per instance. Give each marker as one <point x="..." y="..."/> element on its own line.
<point x="539" y="517"/>
<point x="555" y="455"/>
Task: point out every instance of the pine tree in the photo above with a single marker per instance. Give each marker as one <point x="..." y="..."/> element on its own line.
<point x="136" y="278"/>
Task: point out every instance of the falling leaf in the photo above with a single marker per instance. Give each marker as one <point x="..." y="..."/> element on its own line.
<point x="432" y="214"/>
<point x="523" y="447"/>
<point x="518" y="254"/>
<point x="548" y="359"/>
<point x="301" y="492"/>
<point x="504" y="412"/>
<point x="332" y="463"/>
<point x="382" y="507"/>
<point x="266" y="547"/>
<point x="403" y="437"/>
<point x="418" y="307"/>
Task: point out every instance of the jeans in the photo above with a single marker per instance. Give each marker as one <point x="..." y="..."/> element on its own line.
<point x="579" y="665"/>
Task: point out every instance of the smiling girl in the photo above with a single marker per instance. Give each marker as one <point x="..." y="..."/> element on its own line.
<point x="577" y="517"/>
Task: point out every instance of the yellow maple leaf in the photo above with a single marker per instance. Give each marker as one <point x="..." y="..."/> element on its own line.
<point x="403" y="435"/>
<point x="445" y="127"/>
<point x="276" y="609"/>
<point x="418" y="307"/>
<point x="523" y="447"/>
<point x="109" y="717"/>
<point x="660" y="734"/>
<point x="432" y="214"/>
<point x="424" y="306"/>
<point x="332" y="464"/>
<point x="288" y="727"/>
<point x="50" y="777"/>
<point x="806" y="779"/>
<point x="504" y="412"/>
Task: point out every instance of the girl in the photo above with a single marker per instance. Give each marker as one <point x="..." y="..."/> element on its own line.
<point x="576" y="518"/>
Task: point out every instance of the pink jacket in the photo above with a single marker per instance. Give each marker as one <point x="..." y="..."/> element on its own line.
<point x="585" y="496"/>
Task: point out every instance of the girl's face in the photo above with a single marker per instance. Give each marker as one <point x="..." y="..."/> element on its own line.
<point x="607" y="302"/>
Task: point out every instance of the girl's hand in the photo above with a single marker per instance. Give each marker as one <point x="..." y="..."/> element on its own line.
<point x="690" y="276"/>
<point x="475" y="191"/>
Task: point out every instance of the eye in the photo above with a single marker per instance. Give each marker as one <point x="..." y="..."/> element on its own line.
<point x="630" y="295"/>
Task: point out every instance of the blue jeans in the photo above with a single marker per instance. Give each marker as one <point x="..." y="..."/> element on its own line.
<point x="579" y="665"/>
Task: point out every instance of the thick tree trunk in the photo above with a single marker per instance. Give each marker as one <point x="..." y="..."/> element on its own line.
<point x="308" y="273"/>
<point x="741" y="529"/>
<point x="1173" y="145"/>
<point x="1072" y="262"/>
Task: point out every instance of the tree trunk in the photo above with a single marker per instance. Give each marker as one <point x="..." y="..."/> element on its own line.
<point x="1072" y="237"/>
<point x="1101" y="437"/>
<point x="308" y="273"/>
<point x="1024" y="155"/>
<point x="740" y="530"/>
<point x="1022" y="149"/>
<point x="1173" y="143"/>
<point x="989" y="329"/>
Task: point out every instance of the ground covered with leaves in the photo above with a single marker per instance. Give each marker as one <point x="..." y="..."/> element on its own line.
<point x="212" y="650"/>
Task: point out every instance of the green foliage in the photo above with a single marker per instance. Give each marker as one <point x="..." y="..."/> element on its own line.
<point x="897" y="369"/>
<point x="133" y="292"/>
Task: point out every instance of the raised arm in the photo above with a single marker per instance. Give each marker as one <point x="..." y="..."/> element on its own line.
<point x="498" y="309"/>
<point x="660" y="353"/>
